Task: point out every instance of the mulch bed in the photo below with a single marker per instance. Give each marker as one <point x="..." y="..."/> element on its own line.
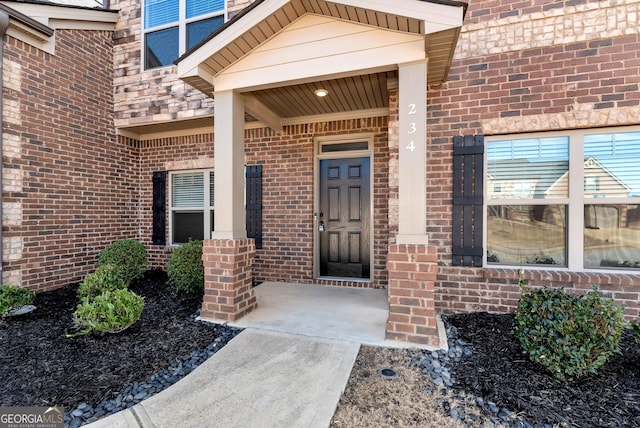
<point x="500" y="372"/>
<point x="39" y="366"/>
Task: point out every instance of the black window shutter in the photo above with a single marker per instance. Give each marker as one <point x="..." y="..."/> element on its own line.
<point x="254" y="203"/>
<point x="159" y="208"/>
<point x="468" y="187"/>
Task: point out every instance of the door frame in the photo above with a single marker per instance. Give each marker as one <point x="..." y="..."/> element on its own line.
<point x="319" y="155"/>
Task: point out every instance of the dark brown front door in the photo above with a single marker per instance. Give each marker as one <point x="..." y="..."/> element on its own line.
<point x="344" y="218"/>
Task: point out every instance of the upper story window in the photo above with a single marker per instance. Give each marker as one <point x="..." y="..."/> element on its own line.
<point x="171" y="27"/>
<point x="569" y="200"/>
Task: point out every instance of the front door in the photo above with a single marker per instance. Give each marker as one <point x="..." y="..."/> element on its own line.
<point x="344" y="218"/>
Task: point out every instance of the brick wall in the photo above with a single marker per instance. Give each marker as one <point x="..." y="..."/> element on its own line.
<point x="70" y="188"/>
<point x="288" y="165"/>
<point x="525" y="67"/>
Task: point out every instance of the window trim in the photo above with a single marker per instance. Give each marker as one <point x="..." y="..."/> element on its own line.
<point x="181" y="23"/>
<point x="575" y="202"/>
<point x="206" y="209"/>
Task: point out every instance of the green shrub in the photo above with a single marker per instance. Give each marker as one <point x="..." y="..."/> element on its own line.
<point x="105" y="278"/>
<point x="130" y="255"/>
<point x="569" y="335"/>
<point x="13" y="297"/>
<point x="185" y="269"/>
<point x="109" y="312"/>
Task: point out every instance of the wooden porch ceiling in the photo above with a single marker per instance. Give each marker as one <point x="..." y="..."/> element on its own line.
<point x="356" y="93"/>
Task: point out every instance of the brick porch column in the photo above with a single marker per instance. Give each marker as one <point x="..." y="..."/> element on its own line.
<point x="228" y="279"/>
<point x="412" y="273"/>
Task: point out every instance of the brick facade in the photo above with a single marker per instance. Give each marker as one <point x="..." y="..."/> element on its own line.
<point x="69" y="187"/>
<point x="519" y="67"/>
<point x="412" y="275"/>
<point x="546" y="65"/>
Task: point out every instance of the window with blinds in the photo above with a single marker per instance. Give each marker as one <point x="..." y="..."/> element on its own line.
<point x="192" y="205"/>
<point x="568" y="200"/>
<point x="161" y="12"/>
<point x="527" y="188"/>
<point x="200" y="7"/>
<point x="187" y="190"/>
<point x="611" y="182"/>
<point x="171" y="27"/>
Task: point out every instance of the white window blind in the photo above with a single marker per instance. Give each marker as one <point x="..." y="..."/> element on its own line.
<point x="611" y="161"/>
<point x="203" y="7"/>
<point x="188" y="190"/>
<point x="534" y="168"/>
<point x="160" y="12"/>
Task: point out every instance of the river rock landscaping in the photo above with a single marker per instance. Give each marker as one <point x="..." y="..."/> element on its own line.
<point x="92" y="376"/>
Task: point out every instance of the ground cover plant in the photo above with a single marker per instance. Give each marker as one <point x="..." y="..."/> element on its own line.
<point x="109" y="312"/>
<point x="105" y="278"/>
<point x="12" y="298"/>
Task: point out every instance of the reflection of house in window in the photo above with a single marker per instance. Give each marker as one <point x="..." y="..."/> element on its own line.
<point x="522" y="179"/>
<point x="599" y="182"/>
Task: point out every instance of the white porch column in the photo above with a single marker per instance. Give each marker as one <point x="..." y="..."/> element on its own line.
<point x="412" y="160"/>
<point x="229" y="166"/>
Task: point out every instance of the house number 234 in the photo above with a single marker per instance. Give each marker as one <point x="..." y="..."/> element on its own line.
<point x="412" y="128"/>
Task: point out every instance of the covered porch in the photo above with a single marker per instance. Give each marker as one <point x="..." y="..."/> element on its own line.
<point x="265" y="69"/>
<point x="343" y="313"/>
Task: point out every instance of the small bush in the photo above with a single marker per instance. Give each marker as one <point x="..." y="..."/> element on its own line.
<point x="109" y="312"/>
<point x="130" y="255"/>
<point x="105" y="278"/>
<point x="185" y="269"/>
<point x="569" y="335"/>
<point x="13" y="297"/>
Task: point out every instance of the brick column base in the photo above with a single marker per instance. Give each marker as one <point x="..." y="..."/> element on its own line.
<point x="412" y="274"/>
<point x="228" y="279"/>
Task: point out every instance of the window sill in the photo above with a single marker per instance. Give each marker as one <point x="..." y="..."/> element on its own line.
<point x="563" y="275"/>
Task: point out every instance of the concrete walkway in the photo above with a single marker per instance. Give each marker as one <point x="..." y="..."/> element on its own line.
<point x="288" y="367"/>
<point x="259" y="379"/>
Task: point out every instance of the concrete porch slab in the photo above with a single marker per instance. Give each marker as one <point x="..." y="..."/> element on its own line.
<point x="342" y="313"/>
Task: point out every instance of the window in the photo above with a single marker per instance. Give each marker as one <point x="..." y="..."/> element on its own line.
<point x="192" y="205"/>
<point x="570" y="200"/>
<point x="171" y="27"/>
